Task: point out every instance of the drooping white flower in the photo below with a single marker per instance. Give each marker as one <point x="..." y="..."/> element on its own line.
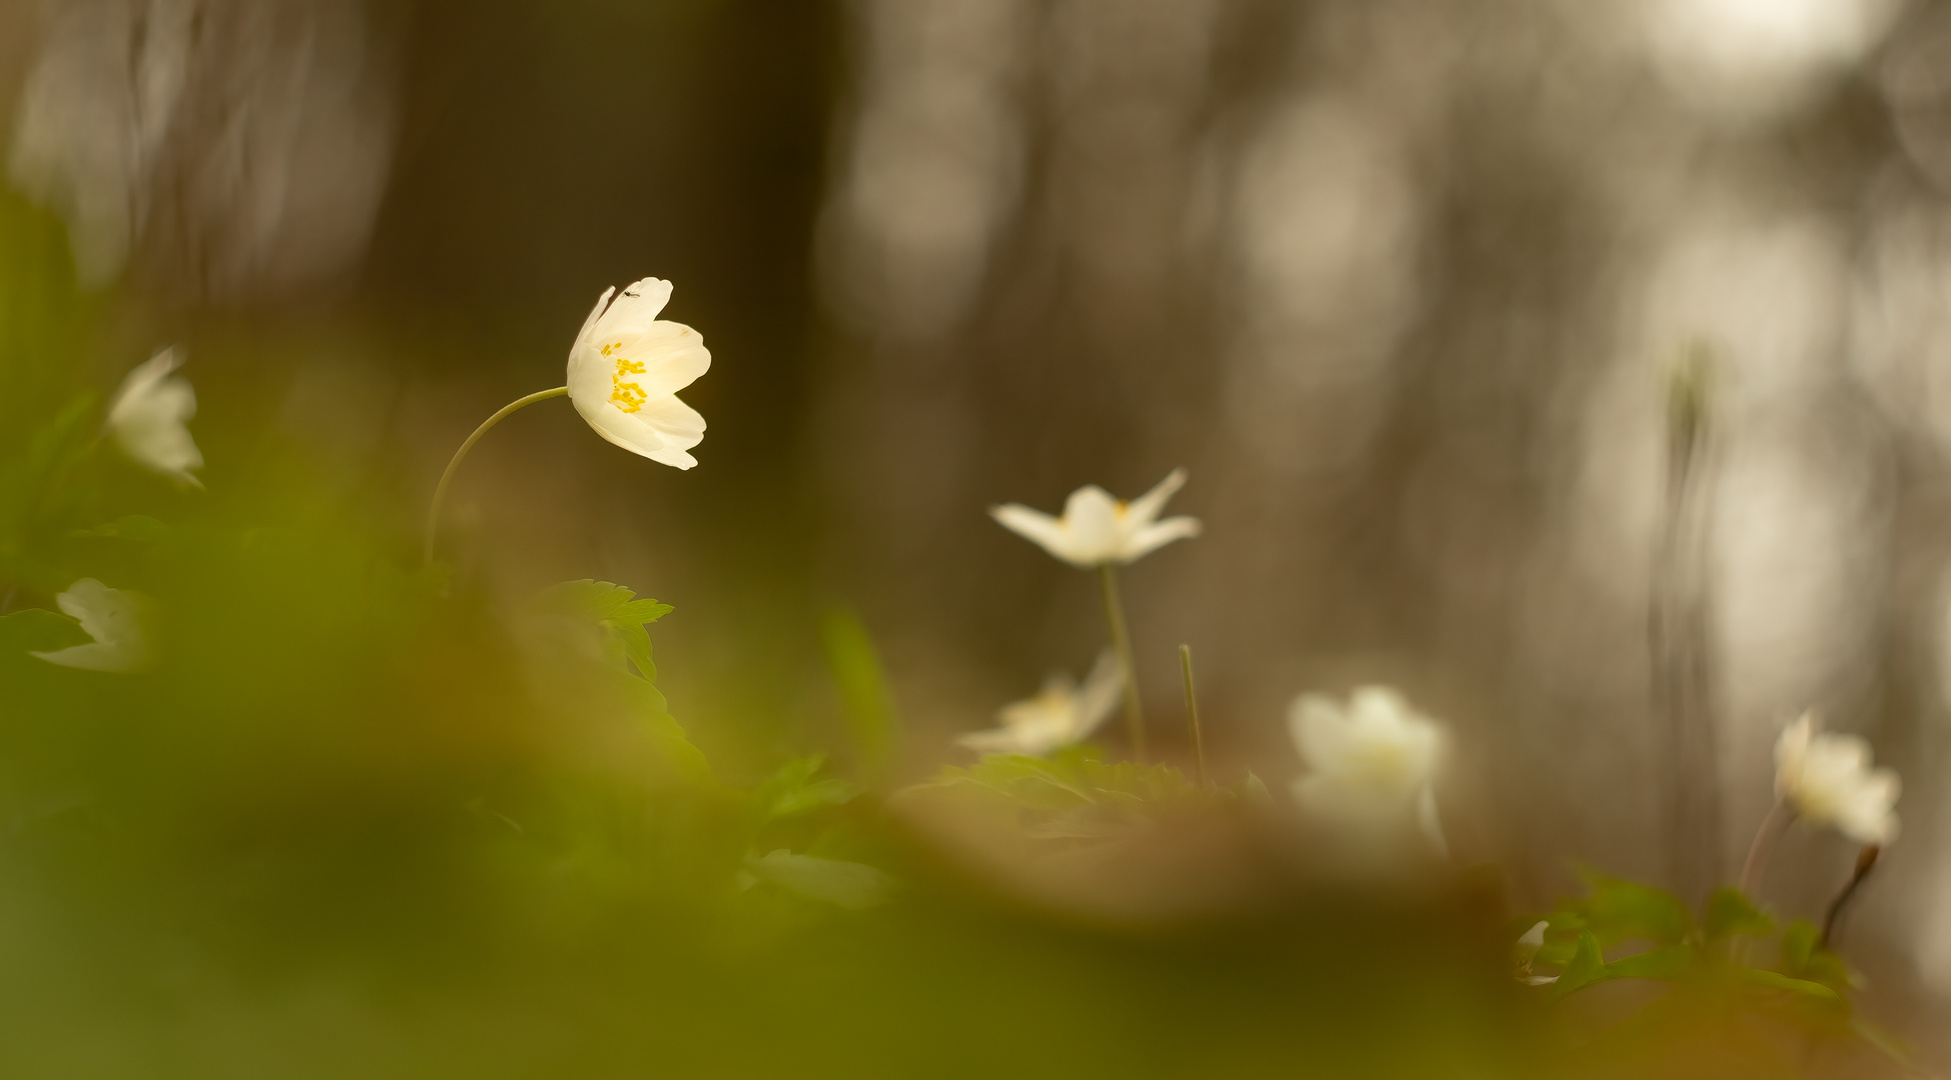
<point x="1827" y="780"/>
<point x="625" y="371"/>
<point x="1061" y="714"/>
<point x="147" y="419"/>
<point x="1097" y="529"/>
<point x="111" y="617"/>
<point x="1371" y="762"/>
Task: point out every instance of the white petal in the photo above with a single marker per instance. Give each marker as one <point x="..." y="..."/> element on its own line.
<point x="1096" y="533"/>
<point x="110" y="616"/>
<point x="1146" y="507"/>
<point x="594" y="313"/>
<point x="1532" y="940"/>
<point x="1791" y="752"/>
<point x="1868" y="814"/>
<point x="681" y="426"/>
<point x="1042" y="529"/>
<point x="635" y="308"/>
<point x="618" y="426"/>
<point x="994" y="741"/>
<point x="140" y="380"/>
<point x="674" y="457"/>
<point x="1098" y="698"/>
<point x="588" y="376"/>
<point x="673" y="356"/>
<point x="1314" y="723"/>
<point x="146" y="419"/>
<point x="1154" y="536"/>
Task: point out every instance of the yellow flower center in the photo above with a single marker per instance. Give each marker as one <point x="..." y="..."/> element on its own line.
<point x="624" y="394"/>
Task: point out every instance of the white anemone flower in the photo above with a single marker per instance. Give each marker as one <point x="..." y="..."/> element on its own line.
<point x="147" y="419"/>
<point x="626" y="368"/>
<point x="111" y="617"/>
<point x="1097" y="530"/>
<point x="1827" y="780"/>
<point x="1526" y="950"/>
<point x="1061" y="714"/>
<point x="1371" y="763"/>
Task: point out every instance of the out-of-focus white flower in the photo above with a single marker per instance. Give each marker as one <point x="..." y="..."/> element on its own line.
<point x="625" y="371"/>
<point x="1371" y="762"/>
<point x="1061" y="714"/>
<point x="1097" y="529"/>
<point x="1827" y="780"/>
<point x="110" y="616"/>
<point x="1526" y="950"/>
<point x="147" y="419"/>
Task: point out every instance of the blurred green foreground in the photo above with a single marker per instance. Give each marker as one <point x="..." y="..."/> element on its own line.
<point x="361" y="818"/>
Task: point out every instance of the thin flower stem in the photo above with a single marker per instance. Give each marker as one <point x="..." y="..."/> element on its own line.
<point x="1678" y="618"/>
<point x="1192" y="715"/>
<point x="440" y="491"/>
<point x="1766" y="837"/>
<point x="1114" y="613"/>
<point x="1865" y="862"/>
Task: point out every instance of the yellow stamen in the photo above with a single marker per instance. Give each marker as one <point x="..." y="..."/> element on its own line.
<point x="624" y="394"/>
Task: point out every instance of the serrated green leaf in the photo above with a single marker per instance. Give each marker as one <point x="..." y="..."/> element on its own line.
<point x="666" y="735"/>
<point x="797" y="788"/>
<point x="865" y="700"/>
<point x="621" y="616"/>
<point x="1729" y="912"/>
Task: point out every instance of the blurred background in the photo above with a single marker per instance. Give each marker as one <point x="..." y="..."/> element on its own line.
<point x="1419" y="291"/>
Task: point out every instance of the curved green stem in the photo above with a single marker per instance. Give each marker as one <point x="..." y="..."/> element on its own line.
<point x="440" y="491"/>
<point x="1114" y="613"/>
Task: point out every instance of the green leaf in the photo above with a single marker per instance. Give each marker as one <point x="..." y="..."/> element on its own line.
<point x="1804" y="958"/>
<point x="666" y="735"/>
<point x="41" y="329"/>
<point x="621" y="616"/>
<point x="1587" y="966"/>
<point x="1618" y="909"/>
<point x="1775" y="980"/>
<point x="30" y="482"/>
<point x="864" y="696"/>
<point x="1669" y="963"/>
<point x="1729" y="912"/>
<point x="851" y="885"/>
<point x="1798" y="944"/>
<point x="797" y="788"/>
<point x="38" y="630"/>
